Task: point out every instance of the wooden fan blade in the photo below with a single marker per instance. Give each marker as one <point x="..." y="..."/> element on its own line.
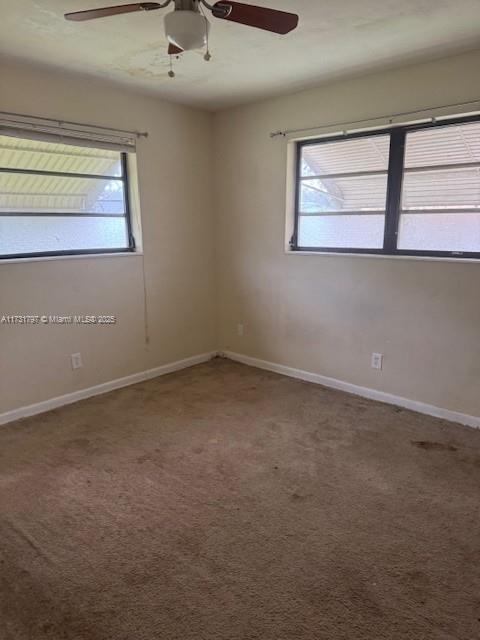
<point x="259" y="17"/>
<point x="92" y="14"/>
<point x="173" y="50"/>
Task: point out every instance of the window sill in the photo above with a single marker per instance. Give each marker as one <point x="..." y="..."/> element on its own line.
<point x="83" y="256"/>
<point x="381" y="256"/>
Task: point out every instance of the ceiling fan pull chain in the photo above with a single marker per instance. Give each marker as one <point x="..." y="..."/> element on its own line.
<point x="208" y="56"/>
<point x="171" y="73"/>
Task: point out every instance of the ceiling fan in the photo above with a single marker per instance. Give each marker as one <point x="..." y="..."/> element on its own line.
<point x="187" y="28"/>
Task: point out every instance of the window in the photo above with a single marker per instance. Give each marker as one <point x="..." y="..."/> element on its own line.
<point x="412" y="190"/>
<point x="62" y="199"/>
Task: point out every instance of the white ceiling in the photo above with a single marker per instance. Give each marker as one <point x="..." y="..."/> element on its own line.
<point x="335" y="38"/>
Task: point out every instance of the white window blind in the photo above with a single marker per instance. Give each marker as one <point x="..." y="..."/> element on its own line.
<point x="63" y="194"/>
<point x="440" y="208"/>
<point x="410" y="190"/>
<point x="343" y="193"/>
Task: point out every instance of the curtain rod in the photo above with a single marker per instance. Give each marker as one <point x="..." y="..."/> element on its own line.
<point x="389" y="117"/>
<point x="60" y="123"/>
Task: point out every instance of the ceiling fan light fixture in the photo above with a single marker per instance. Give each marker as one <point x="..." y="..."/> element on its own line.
<point x="187" y="29"/>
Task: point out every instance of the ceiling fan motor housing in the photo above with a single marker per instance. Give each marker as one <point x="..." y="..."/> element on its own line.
<point x="187" y="29"/>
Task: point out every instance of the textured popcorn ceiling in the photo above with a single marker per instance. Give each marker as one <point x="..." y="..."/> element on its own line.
<point x="335" y="38"/>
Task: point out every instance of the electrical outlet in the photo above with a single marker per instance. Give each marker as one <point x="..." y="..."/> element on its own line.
<point x="377" y="361"/>
<point x="241" y="329"/>
<point x="76" y="359"/>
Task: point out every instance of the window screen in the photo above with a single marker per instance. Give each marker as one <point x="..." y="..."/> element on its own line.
<point x="441" y="190"/>
<point x="343" y="193"/>
<point x="411" y="190"/>
<point x="60" y="199"/>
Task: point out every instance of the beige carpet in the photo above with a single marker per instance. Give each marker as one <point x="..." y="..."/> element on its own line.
<point x="224" y="502"/>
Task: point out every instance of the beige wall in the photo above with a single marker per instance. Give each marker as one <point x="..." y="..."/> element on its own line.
<point x="324" y="314"/>
<point x="175" y="172"/>
<point x="327" y="314"/>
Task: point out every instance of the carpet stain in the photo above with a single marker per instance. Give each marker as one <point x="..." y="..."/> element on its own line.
<point x="433" y="446"/>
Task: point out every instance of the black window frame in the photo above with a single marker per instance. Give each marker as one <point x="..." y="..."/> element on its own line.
<point x="395" y="175"/>
<point x="123" y="177"/>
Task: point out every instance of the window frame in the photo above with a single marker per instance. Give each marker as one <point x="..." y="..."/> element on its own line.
<point x="123" y="177"/>
<point x="395" y="175"/>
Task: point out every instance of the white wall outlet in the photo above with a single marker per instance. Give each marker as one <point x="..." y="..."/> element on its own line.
<point x="76" y="359"/>
<point x="240" y="329"/>
<point x="377" y="361"/>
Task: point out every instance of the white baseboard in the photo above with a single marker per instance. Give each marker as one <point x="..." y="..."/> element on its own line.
<point x="414" y="405"/>
<point x="69" y="398"/>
